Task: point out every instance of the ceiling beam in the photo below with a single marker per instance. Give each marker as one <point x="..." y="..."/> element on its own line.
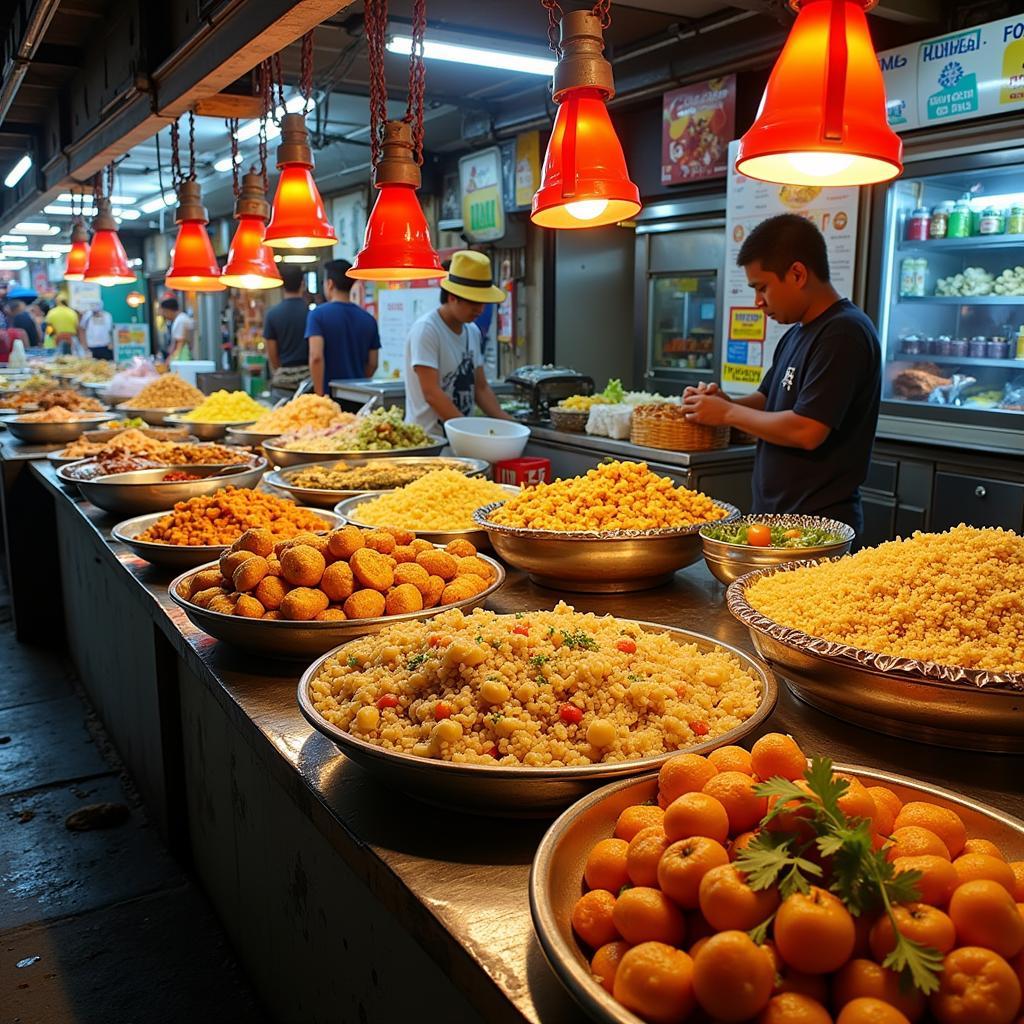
<point x="911" y="12"/>
<point x="58" y="56"/>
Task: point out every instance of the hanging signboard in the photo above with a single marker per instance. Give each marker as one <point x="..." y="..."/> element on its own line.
<point x="483" y="203"/>
<point x="397" y="310"/>
<point x="130" y="340"/>
<point x="698" y="123"/>
<point x="348" y="218"/>
<point x="527" y="171"/>
<point x="749" y="337"/>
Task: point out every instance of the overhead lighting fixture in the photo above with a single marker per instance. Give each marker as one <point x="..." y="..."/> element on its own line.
<point x="250" y="129"/>
<point x="159" y="203"/>
<point x="250" y="261"/>
<point x="18" y="171"/>
<point x="108" y="262"/>
<point x="299" y="257"/>
<point x="193" y="265"/>
<point x="13" y="238"/>
<point x="40" y="254"/>
<point x="225" y="164"/>
<point x="75" y="197"/>
<point x="12" y="264"/>
<point x="822" y="118"/>
<point x="477" y="56"/>
<point x="16" y="248"/>
<point x="78" y="257"/>
<point x="29" y="227"/>
<point x="57" y="246"/>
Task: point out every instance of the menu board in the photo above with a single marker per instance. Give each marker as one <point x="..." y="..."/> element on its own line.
<point x="481" y="183"/>
<point x="750" y="337"/>
<point x="698" y="122"/>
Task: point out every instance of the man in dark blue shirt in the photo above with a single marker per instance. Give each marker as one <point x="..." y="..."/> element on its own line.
<point x="816" y="410"/>
<point x="343" y="338"/>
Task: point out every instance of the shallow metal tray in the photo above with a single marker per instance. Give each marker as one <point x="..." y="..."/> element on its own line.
<point x="205" y="431"/>
<point x="154" y="417"/>
<point x="283" y="457"/>
<point x="54" y="433"/>
<point x="239" y="435"/>
<point x="175" y="434"/>
<point x="523" y="792"/>
<point x="556" y="877"/>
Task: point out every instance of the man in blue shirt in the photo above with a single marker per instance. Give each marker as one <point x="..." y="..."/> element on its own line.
<point x="343" y="338"/>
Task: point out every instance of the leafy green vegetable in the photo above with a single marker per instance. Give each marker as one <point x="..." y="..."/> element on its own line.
<point x="614" y="392"/>
<point x="810" y="536"/>
<point x="578" y="640"/>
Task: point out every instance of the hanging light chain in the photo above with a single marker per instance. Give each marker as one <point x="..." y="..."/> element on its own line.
<point x="191" y="146"/>
<point x="306" y="71"/>
<point x="376" y="19"/>
<point x="280" y="84"/>
<point x="266" y="85"/>
<point x="176" y="175"/>
<point x="602" y="10"/>
<point x="231" y="124"/>
<point x="417" y="78"/>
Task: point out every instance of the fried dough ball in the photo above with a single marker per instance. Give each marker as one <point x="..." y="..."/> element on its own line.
<point x="338" y="581"/>
<point x="273" y="567"/>
<point x="461" y="588"/>
<point x="344" y="543"/>
<point x="330" y="615"/>
<point x="259" y="541"/>
<point x="411" y="572"/>
<point x="231" y="560"/>
<point x="222" y="603"/>
<point x="403" y="537"/>
<point x="435" y="588"/>
<point x="248" y="607"/>
<point x="275" y="614"/>
<point x="460" y="548"/>
<point x="403" y="598"/>
<point x="403" y="553"/>
<point x="248" y="575"/>
<point x="302" y="565"/>
<point x="438" y="563"/>
<point x="419" y="545"/>
<point x="203" y="581"/>
<point x="473" y="565"/>
<point x="270" y="592"/>
<point x="204" y="597"/>
<point x="364" y="604"/>
<point x="379" y="540"/>
<point x="303" y="604"/>
<point x="372" y="570"/>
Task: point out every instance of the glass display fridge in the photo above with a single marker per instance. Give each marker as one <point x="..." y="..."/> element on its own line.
<point x="950" y="298"/>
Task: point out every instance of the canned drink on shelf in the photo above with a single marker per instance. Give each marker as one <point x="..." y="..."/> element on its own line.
<point x="920" y="276"/>
<point x="908" y="269"/>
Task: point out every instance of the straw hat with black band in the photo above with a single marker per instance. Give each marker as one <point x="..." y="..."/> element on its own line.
<point x="469" y="277"/>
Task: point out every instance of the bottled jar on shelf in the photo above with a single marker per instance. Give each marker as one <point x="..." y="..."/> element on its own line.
<point x="977" y="348"/>
<point x="918" y="224"/>
<point x="997" y="348"/>
<point x="1015" y="222"/>
<point x="958" y="347"/>
<point x="939" y="226"/>
<point x="959" y="224"/>
<point x="993" y="222"/>
<point x="945" y="343"/>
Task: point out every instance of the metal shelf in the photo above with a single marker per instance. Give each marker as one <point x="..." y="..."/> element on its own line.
<point x="902" y="357"/>
<point x="975" y="242"/>
<point x="964" y="300"/>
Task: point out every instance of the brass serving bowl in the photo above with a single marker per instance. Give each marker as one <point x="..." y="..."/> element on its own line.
<point x="239" y="435"/>
<point x="282" y="457"/>
<point x="523" y="792"/>
<point x="943" y="704"/>
<point x="205" y="431"/>
<point x="154" y="417"/>
<point x="612" y="562"/>
<point x="728" y="562"/>
<point x="175" y="434"/>
<point x="54" y="433"/>
<point x="556" y="877"/>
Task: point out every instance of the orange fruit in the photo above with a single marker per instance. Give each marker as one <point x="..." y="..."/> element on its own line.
<point x="971" y="866"/>
<point x="938" y="877"/>
<point x="636" y="819"/>
<point x="699" y="945"/>
<point x="606" y="963"/>
<point x="814" y="986"/>
<point x="606" y="865"/>
<point x="684" y="864"/>
<point x="865" y="1010"/>
<point x="777" y="754"/>
<point x="814" y="932"/>
<point x="984" y="914"/>
<point x="917" y="921"/>
<point x="733" y="978"/>
<point x="735" y="791"/>
<point x="696" y="814"/>
<point x="592" y="918"/>
<point x="982" y="846"/>
<point x="977" y="986"/>
<point x="914" y="841"/>
<point x="888" y="805"/>
<point x="645" y="850"/>
<point x="740" y="843"/>
<point x="864" y="979"/>
<point x="856" y="802"/>
<point x="655" y="981"/>
<point x="946" y="824"/>
<point x="684" y="773"/>
<point x="642" y="914"/>
<point x="793" y="1008"/>
<point x="1017" y="867"/>
<point x="728" y="903"/>
<point x="731" y="759"/>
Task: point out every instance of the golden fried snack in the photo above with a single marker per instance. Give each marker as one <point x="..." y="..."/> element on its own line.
<point x="223" y="604"/>
<point x="403" y="598"/>
<point x="275" y="614"/>
<point x="303" y="604"/>
<point x="231" y="560"/>
<point x="411" y="572"/>
<point x="364" y="604"/>
<point x="473" y="565"/>
<point x="273" y="566"/>
<point x="204" y="597"/>
<point x="438" y="563"/>
<point x="461" y="588"/>
<point x="403" y="553"/>
<point x="203" y="581"/>
<point x="338" y="581"/>
<point x="259" y="540"/>
<point x="248" y="575"/>
<point x="419" y="545"/>
<point x="331" y="615"/>
<point x="379" y="540"/>
<point x="270" y="592"/>
<point x="460" y="548"/>
<point x="302" y="565"/>
<point x="344" y="543"/>
<point x="401" y="536"/>
<point x="248" y="607"/>
<point x="432" y="595"/>
<point x="372" y="570"/>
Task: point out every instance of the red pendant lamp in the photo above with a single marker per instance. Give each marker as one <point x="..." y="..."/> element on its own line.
<point x="78" y="257"/>
<point x="396" y="246"/>
<point x="584" y="182"/>
<point x="822" y="118"/>
<point x="250" y="261"/>
<point x="193" y="268"/>
<point x="108" y="262"/>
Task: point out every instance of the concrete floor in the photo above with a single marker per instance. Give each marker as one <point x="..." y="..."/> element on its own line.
<point x="100" y="926"/>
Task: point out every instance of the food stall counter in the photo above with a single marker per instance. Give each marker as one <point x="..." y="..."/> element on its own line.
<point x="353" y="394"/>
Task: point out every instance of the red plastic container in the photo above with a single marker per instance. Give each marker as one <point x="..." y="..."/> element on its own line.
<point x="523" y="472"/>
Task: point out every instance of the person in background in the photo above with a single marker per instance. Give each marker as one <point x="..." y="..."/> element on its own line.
<point x="182" y="329"/>
<point x="96" y="332"/>
<point x="62" y="325"/>
<point x="816" y="410"/>
<point x="20" y="318"/>
<point x="343" y="339"/>
<point x="284" y="331"/>
<point x="444" y="374"/>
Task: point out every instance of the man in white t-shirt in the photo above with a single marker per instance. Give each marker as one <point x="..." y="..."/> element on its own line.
<point x="96" y="332"/>
<point x="182" y="329"/>
<point x="444" y="373"/>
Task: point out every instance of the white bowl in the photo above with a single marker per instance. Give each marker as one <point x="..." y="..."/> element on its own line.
<point x="478" y="437"/>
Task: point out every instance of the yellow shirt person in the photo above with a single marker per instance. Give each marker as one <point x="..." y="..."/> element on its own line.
<point x="61" y="325"/>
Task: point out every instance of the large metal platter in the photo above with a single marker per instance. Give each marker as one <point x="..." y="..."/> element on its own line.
<point x="556" y="877"/>
<point x="154" y="417"/>
<point x="205" y="431"/>
<point x="281" y="638"/>
<point x="239" y="435"/>
<point x="616" y="562"/>
<point x="54" y="433"/>
<point x="728" y="562"/>
<point x="184" y="556"/>
<point x="523" y="792"/>
<point x="175" y="434"/>
<point x="942" y="704"/>
<point x="349" y="511"/>
<point x="283" y="457"/>
<point x="327" y="498"/>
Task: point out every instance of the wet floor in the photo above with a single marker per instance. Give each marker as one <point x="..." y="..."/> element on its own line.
<point x="98" y="925"/>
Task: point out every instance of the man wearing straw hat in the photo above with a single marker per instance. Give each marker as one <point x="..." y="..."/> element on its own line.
<point x="444" y="372"/>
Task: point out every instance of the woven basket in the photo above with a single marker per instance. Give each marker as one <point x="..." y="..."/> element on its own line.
<point x="573" y="420"/>
<point x="661" y="426"/>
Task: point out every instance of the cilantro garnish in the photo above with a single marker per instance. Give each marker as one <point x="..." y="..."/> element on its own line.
<point x="538" y="659"/>
<point x="353" y="661"/>
<point x="416" y="660"/>
<point x="577" y="640"/>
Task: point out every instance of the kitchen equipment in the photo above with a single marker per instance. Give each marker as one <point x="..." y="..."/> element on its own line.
<point x="544" y="386"/>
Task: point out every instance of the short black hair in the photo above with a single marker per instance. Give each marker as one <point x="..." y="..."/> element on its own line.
<point x="779" y="242"/>
<point x="291" y="277"/>
<point x="169" y="303"/>
<point x="446" y="265"/>
<point x="336" y="272"/>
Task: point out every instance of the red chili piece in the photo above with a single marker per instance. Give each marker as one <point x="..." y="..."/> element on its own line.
<point x="521" y="630"/>
<point x="699" y="728"/>
<point x="570" y="714"/>
<point x="489" y="750"/>
<point x="389" y="700"/>
<point x="626" y="646"/>
<point x="441" y="710"/>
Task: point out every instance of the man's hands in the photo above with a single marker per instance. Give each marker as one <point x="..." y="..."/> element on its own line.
<point x="707" y="404"/>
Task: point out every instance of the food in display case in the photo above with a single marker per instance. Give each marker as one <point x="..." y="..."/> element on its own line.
<point x="683" y="314"/>
<point x="225" y="407"/>
<point x="305" y="411"/>
<point x="168" y="391"/>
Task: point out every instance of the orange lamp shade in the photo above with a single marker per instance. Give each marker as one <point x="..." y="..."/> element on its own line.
<point x="396" y="246"/>
<point x="193" y="265"/>
<point x="108" y="262"/>
<point x="584" y="182"/>
<point x="78" y="260"/>
<point x="250" y="262"/>
<point x="298" y="220"/>
<point x="822" y="118"/>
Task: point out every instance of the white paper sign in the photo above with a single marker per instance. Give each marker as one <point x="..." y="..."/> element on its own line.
<point x="397" y="310"/>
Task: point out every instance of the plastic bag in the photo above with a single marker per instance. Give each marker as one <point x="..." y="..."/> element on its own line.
<point x="1013" y="395"/>
<point x="951" y="393"/>
<point x="130" y="380"/>
<point x="610" y="421"/>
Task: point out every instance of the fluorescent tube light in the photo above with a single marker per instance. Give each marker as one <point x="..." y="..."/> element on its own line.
<point x="167" y="199"/>
<point x="224" y="164"/>
<point x="18" y="171"/>
<point x="478" y="56"/>
<point x="13" y="238"/>
<point x="12" y="264"/>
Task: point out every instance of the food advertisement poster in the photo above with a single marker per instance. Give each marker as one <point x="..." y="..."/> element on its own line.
<point x="527" y="167"/>
<point x="698" y="123"/>
<point x="130" y="340"/>
<point x="750" y="337"/>
<point x="397" y="310"/>
<point x="483" y="204"/>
